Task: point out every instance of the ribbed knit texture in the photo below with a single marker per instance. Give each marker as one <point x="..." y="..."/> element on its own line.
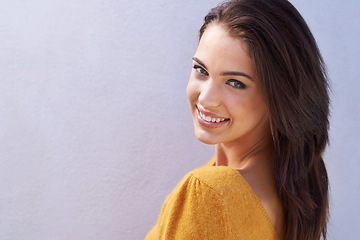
<point x="213" y="202"/>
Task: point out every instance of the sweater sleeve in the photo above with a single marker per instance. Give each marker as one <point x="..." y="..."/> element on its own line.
<point x="192" y="211"/>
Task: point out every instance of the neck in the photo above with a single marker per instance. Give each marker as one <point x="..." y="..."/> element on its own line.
<point x="244" y="156"/>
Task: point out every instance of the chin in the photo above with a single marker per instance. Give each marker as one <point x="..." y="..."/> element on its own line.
<point x="207" y="142"/>
<point x="205" y="138"/>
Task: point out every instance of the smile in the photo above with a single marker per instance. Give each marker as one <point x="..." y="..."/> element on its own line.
<point x="210" y="120"/>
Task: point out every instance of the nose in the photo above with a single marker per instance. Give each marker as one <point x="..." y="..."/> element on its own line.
<point x="210" y="95"/>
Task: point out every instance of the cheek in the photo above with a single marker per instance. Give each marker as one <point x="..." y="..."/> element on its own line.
<point x="257" y="109"/>
<point x="258" y="103"/>
<point x="245" y="106"/>
<point x="236" y="106"/>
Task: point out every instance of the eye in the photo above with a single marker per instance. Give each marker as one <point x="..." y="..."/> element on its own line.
<point x="236" y="84"/>
<point x="200" y="70"/>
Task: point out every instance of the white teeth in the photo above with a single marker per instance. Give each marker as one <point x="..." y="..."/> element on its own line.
<point x="209" y="119"/>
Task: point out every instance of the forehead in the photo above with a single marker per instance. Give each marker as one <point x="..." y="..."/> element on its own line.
<point x="220" y="51"/>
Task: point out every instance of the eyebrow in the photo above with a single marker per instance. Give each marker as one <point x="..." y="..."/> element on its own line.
<point x="232" y="73"/>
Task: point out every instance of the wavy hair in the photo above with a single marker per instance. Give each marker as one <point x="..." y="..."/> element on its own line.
<point x="291" y="75"/>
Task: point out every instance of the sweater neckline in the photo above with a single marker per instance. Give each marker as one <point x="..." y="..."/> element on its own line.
<point x="212" y="163"/>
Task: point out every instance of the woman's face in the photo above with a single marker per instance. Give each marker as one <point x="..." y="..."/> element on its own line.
<point x="224" y="99"/>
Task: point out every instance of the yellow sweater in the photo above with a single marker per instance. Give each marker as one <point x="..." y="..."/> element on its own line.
<point x="213" y="202"/>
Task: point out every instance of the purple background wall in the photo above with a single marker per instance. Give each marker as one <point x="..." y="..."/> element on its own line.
<point x="94" y="123"/>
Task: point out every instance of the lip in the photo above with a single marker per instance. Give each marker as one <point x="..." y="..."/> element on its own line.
<point x="212" y="115"/>
<point x="209" y="114"/>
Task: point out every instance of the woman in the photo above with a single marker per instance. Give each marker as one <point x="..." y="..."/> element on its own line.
<point x="258" y="92"/>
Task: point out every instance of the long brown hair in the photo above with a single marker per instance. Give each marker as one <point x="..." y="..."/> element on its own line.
<point x="291" y="75"/>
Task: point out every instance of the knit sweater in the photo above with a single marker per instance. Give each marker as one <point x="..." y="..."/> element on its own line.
<point x="213" y="202"/>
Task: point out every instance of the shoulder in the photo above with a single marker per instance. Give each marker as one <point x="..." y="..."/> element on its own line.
<point x="194" y="208"/>
<point x="245" y="214"/>
<point x="213" y="202"/>
<point x="221" y="185"/>
<point x="210" y="180"/>
<point x="222" y="180"/>
<point x="205" y="183"/>
<point x="214" y="175"/>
